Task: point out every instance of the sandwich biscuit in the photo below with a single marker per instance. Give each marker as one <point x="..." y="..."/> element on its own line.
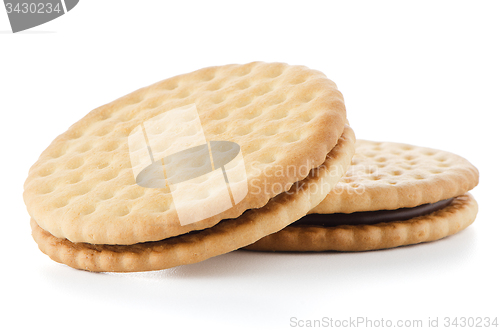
<point x="181" y="155"/>
<point x="392" y="195"/>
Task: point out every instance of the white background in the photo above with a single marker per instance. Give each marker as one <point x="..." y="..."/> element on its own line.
<point x="425" y="73"/>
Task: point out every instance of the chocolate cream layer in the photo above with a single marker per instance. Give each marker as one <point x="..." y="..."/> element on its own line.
<point x="372" y="217"/>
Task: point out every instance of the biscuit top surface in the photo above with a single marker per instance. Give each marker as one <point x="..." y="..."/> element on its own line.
<point x="284" y="118"/>
<point x="387" y="176"/>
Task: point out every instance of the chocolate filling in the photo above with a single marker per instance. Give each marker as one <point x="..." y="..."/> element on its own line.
<point x="371" y="217"/>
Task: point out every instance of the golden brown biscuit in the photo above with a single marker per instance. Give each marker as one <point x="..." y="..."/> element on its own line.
<point x="224" y="237"/>
<point x="387" y="175"/>
<point x="445" y="222"/>
<point x="284" y="118"/>
<point x="379" y="203"/>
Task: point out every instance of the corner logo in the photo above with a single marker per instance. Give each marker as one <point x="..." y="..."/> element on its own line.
<point x="25" y="14"/>
<point x="204" y="178"/>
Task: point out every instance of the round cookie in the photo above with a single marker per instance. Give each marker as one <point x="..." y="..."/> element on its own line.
<point x="384" y="179"/>
<point x="282" y="117"/>
<point x="224" y="237"/>
<point x="387" y="175"/>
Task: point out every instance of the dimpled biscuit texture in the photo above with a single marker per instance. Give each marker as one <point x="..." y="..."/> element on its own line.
<point x="284" y="117"/>
<point x="386" y="176"/>
<point x="442" y="223"/>
<point x="224" y="237"/>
